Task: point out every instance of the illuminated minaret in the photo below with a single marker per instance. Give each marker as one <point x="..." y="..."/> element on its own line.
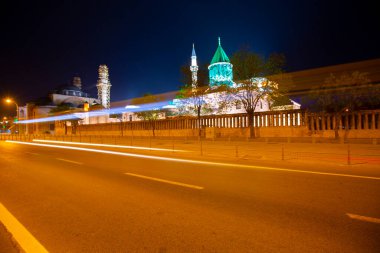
<point x="104" y="87"/>
<point x="194" y="68"/>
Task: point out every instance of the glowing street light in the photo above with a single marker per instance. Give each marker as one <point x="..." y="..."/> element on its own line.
<point x="9" y="101"/>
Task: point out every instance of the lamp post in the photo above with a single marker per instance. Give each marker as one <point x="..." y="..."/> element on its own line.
<point x="9" y="101"/>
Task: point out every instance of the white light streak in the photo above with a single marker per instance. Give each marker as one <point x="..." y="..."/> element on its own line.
<point x="179" y="160"/>
<point x="107" y="145"/>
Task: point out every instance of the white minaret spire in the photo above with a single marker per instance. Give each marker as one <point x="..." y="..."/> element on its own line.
<point x="194" y="68"/>
<point x="104" y="87"/>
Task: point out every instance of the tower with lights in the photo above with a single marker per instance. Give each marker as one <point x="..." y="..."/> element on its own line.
<point x="194" y="68"/>
<point x="220" y="68"/>
<point x="104" y="87"/>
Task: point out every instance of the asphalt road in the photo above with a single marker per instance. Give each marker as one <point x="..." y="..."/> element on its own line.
<point x="80" y="201"/>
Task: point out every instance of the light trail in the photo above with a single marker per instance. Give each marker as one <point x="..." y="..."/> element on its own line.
<point x="107" y="145"/>
<point x="113" y="111"/>
<point x="179" y="160"/>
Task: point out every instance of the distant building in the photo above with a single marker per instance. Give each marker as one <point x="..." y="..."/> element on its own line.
<point x="221" y="73"/>
<point x="71" y="95"/>
<point x="66" y="96"/>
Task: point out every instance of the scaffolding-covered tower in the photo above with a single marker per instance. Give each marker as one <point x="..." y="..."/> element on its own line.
<point x="104" y="87"/>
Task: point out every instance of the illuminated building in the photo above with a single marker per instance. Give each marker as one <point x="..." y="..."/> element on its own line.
<point x="68" y="96"/>
<point x="220" y="68"/>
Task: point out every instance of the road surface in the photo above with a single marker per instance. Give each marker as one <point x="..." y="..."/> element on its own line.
<point x="73" y="200"/>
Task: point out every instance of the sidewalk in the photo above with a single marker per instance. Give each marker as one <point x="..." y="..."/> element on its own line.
<point x="243" y="151"/>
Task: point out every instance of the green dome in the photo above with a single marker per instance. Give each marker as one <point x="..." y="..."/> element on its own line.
<point x="220" y="55"/>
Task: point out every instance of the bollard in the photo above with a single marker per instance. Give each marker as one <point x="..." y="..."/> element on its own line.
<point x="237" y="151"/>
<point x="282" y="152"/>
<point x="348" y="154"/>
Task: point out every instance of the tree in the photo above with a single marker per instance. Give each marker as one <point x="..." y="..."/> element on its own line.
<point x="343" y="93"/>
<point x="192" y="95"/>
<point x="258" y="79"/>
<point x="151" y="113"/>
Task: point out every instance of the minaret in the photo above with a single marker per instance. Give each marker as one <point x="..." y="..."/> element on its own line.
<point x="104" y="87"/>
<point x="194" y="68"/>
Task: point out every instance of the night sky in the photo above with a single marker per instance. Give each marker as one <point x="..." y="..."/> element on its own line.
<point x="144" y="43"/>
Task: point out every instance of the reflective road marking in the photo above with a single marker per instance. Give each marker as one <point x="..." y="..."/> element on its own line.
<point x="166" y="181"/>
<point x="69" y="161"/>
<point x="32" y="153"/>
<point x="363" y="218"/>
<point x="24" y="239"/>
<point x="197" y="161"/>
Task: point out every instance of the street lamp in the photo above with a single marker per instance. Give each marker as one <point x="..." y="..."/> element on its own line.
<point x="9" y="101"/>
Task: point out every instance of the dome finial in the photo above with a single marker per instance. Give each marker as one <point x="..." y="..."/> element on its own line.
<point x="219" y="41"/>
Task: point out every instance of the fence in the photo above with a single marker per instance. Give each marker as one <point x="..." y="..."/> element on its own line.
<point x="261" y="119"/>
<point x="360" y="120"/>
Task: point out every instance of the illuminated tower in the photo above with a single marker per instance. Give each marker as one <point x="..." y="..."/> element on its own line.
<point x="194" y="68"/>
<point x="104" y="87"/>
<point x="220" y="68"/>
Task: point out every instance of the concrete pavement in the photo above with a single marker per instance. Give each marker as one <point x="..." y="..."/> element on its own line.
<point x="79" y="201"/>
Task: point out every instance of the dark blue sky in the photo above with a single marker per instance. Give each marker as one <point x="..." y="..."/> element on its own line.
<point x="144" y="43"/>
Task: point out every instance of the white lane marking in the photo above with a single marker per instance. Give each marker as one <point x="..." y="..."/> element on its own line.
<point x="196" y="161"/>
<point x="107" y="145"/>
<point x="69" y="161"/>
<point x="166" y="181"/>
<point x="363" y="218"/>
<point x="32" y="153"/>
<point x="23" y="237"/>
